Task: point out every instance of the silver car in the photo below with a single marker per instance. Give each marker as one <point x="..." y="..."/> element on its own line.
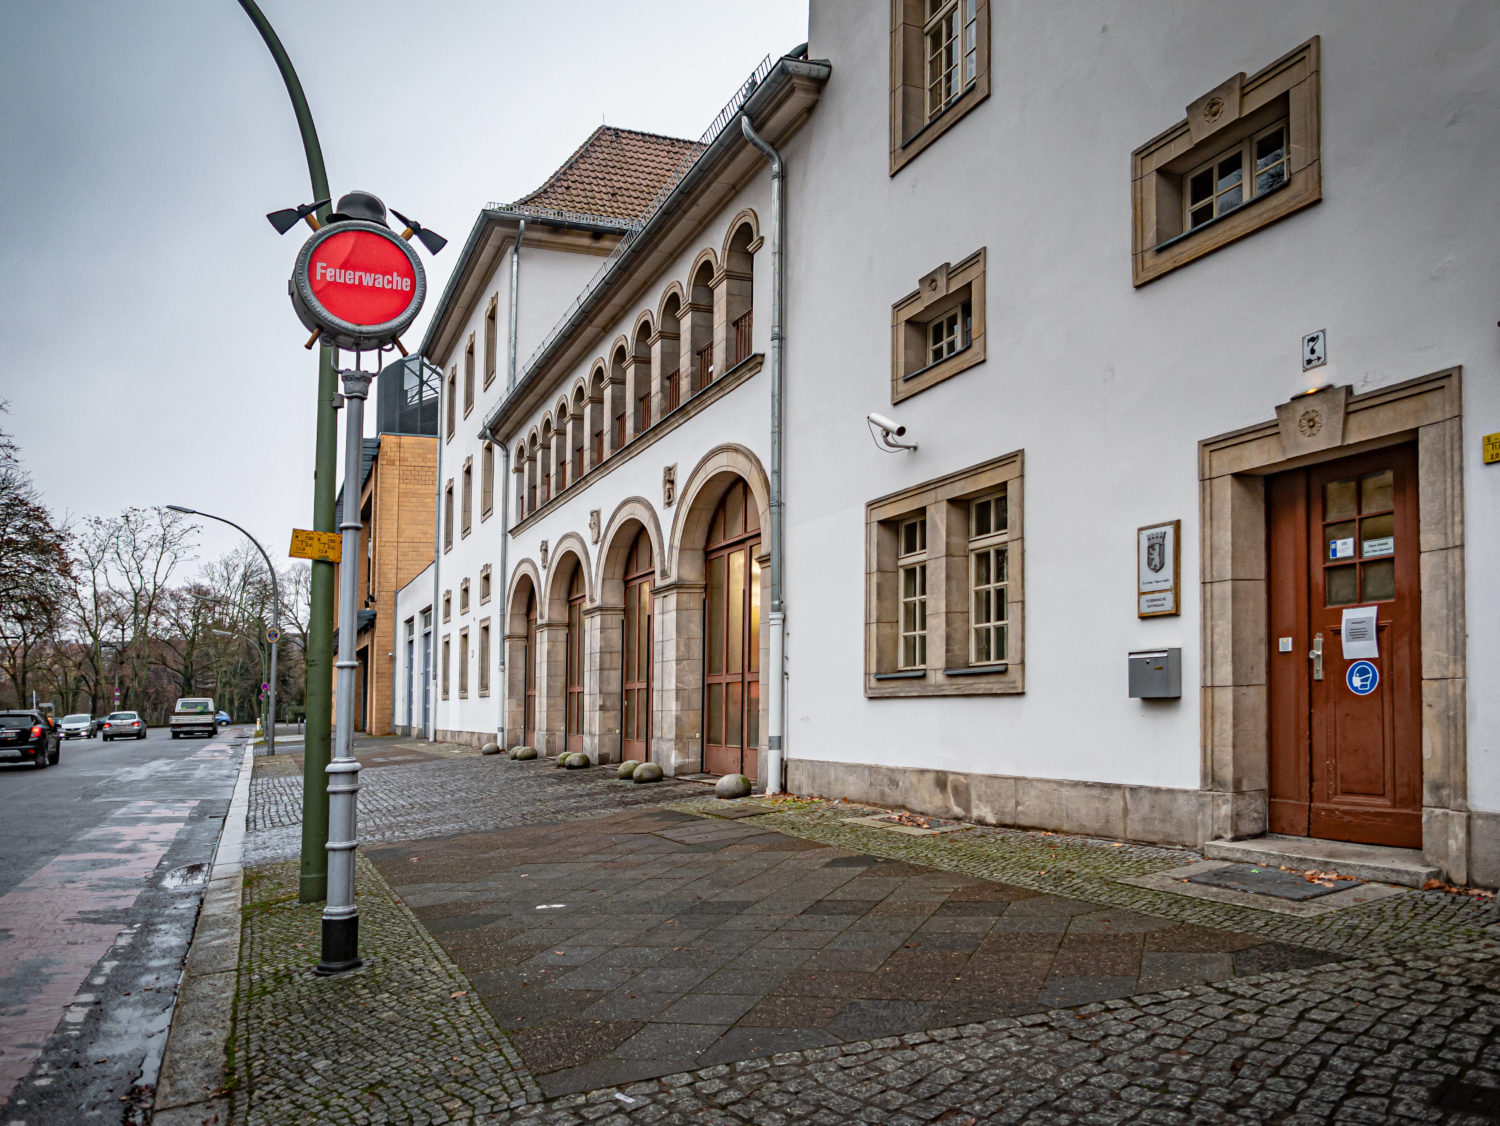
<point x="124" y="725"/>
<point x="80" y="726"/>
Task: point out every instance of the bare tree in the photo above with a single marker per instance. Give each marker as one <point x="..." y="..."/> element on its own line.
<point x="148" y="545"/>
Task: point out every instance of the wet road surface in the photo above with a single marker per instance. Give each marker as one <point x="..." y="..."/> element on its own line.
<point x="103" y="862"/>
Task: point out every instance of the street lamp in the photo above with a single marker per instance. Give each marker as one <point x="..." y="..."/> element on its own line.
<point x="275" y="631"/>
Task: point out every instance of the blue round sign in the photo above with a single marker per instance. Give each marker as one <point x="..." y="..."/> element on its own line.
<point x="1362" y="677"/>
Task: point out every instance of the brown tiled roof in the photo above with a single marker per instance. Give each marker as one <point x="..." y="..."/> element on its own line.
<point x="615" y="173"/>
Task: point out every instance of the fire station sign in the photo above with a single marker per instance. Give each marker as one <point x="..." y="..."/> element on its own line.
<point x="357" y="283"/>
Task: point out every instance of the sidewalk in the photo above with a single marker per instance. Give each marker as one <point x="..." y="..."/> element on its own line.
<point x="578" y="949"/>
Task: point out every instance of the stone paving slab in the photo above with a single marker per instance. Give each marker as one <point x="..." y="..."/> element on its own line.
<point x="650" y="941"/>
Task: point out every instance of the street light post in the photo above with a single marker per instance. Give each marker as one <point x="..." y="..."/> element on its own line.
<point x="313" y="882"/>
<point x="340" y="914"/>
<point x="275" y="615"/>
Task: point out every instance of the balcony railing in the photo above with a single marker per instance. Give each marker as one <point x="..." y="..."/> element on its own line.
<point x="741" y="338"/>
<point x="620" y="430"/>
<point x="645" y="404"/>
<point x="706" y="364"/>
<point x="598" y="446"/>
<point x="674" y="389"/>
<point x="578" y="463"/>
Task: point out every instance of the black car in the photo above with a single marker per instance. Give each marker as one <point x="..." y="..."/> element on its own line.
<point x="29" y="737"/>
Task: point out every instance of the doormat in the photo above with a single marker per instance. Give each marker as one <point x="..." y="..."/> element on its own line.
<point x="1273" y="881"/>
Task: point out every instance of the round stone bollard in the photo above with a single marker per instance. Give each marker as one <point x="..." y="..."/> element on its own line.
<point x="627" y="768"/>
<point x="577" y="761"/>
<point x="522" y="754"/>
<point x="561" y="760"/>
<point x="732" y="786"/>
<point x="490" y="749"/>
<point x="647" y="772"/>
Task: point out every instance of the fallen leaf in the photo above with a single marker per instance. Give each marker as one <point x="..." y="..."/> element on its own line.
<point x="460" y="993"/>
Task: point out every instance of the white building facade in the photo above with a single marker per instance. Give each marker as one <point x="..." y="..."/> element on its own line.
<point x="1188" y="313"/>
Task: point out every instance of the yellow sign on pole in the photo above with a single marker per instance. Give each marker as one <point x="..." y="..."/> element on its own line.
<point x="325" y="546"/>
<point x="1491" y="448"/>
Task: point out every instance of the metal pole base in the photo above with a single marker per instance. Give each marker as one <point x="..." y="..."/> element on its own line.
<point x="340" y="946"/>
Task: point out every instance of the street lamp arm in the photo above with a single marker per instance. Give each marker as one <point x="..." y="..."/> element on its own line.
<point x="275" y="586"/>
<point x="310" y="146"/>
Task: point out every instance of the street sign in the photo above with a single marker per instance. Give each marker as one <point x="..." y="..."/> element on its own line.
<point x="306" y="544"/>
<point x="273" y="635"/>
<point x="357" y="283"/>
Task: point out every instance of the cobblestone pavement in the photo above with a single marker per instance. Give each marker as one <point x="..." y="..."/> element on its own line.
<point x="1393" y="1039"/>
<point x="438" y="799"/>
<point x="400" y="1040"/>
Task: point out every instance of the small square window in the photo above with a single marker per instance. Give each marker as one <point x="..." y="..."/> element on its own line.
<point x="937" y="330"/>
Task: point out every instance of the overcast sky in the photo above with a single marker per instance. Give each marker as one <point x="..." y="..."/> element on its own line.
<point x="150" y="353"/>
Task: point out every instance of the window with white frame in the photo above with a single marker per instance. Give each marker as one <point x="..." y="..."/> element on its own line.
<point x="912" y="565"/>
<point x="1249" y="170"/>
<point x="463" y="664"/>
<point x="989" y="567"/>
<point x="447" y="653"/>
<point x="950" y="333"/>
<point x="463" y="596"/>
<point x="484" y="584"/>
<point x="951" y="33"/>
<point x="484" y="657"/>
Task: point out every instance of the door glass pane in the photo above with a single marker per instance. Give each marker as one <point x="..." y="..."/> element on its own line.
<point x="1339" y="500"/>
<point x="642" y="713"/>
<point x="734" y="600"/>
<point x="1341" y="586"/>
<point x="643" y="632"/>
<point x="1380" y="580"/>
<point x="734" y="512"/>
<point x="1338" y="541"/>
<point x="713" y="731"/>
<point x="630" y="714"/>
<point x="754" y="608"/>
<point x="732" y="718"/>
<point x="629" y="646"/>
<point x="716" y="616"/>
<point x="752" y="714"/>
<point x="1377" y="535"/>
<point x="1376" y="491"/>
<point x="981" y="645"/>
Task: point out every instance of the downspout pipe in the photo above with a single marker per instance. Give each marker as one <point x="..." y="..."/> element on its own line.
<point x="776" y="704"/>
<point x="510" y="382"/>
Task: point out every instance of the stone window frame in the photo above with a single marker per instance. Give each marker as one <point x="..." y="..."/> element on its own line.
<point x="1232" y="470"/>
<point x="486" y="481"/>
<point x="469" y="377"/>
<point x="943" y="290"/>
<point x="484" y="585"/>
<point x="448" y="515"/>
<point x="912" y="130"/>
<point x="484" y="656"/>
<point x="447" y="662"/>
<point x="452" y="404"/>
<point x="491" y="339"/>
<point x="1285" y="90"/>
<point x="448" y="605"/>
<point x="463" y="595"/>
<point x="463" y="663"/>
<point x="945" y="502"/>
<point x="466" y="520"/>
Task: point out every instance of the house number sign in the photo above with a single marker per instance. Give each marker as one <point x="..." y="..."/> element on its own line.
<point x="1158" y="569"/>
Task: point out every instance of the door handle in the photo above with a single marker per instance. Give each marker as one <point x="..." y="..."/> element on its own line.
<point x="1316" y="656"/>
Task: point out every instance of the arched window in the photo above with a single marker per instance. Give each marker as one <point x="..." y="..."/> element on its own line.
<point x="636" y="650"/>
<point x="669" y="331"/>
<point x="739" y="295"/>
<point x="528" y="715"/>
<point x="731" y="659"/>
<point x="701" y="326"/>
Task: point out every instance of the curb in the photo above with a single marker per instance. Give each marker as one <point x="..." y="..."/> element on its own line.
<point x="190" y="1088"/>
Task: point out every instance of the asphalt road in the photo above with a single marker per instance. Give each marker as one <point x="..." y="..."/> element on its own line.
<point x="103" y="862"/>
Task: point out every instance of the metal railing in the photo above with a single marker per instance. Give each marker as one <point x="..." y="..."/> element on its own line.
<point x="741" y="338"/>
<point x="705" y="365"/>
<point x="674" y="389"/>
<point x="725" y="116"/>
<point x="620" y="430"/>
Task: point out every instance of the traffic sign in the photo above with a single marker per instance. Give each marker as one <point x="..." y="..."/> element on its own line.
<point x="1362" y="677"/>
<point x="273" y="635"/>
<point x="358" y="283"/>
<point x="327" y="546"/>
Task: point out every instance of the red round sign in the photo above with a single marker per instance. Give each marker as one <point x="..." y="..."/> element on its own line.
<point x="362" y="277"/>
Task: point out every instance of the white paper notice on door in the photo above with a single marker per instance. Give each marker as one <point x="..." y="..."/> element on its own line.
<point x="1357" y="633"/>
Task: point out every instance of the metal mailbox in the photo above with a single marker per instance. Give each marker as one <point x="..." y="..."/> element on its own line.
<point x="1156" y="674"/>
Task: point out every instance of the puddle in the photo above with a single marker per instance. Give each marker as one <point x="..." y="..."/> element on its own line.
<point x="185" y="876"/>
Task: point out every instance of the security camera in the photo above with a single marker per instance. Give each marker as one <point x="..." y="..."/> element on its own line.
<point x="890" y="433"/>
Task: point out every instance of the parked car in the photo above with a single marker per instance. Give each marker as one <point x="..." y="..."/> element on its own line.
<point x="78" y="726"/>
<point x="223" y="719"/>
<point x="29" y="737"/>
<point x="123" y="725"/>
<point x="194" y="715"/>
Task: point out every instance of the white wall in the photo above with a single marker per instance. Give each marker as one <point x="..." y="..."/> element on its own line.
<point x="411" y="600"/>
<point x="1108" y="389"/>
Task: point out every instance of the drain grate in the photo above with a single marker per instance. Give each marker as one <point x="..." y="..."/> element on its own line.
<point x="1272" y="881"/>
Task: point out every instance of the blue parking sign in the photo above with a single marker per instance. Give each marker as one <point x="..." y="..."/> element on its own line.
<point x="1362" y="677"/>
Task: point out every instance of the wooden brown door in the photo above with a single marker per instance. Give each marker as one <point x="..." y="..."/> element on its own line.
<point x="635" y="654"/>
<point x="575" y="662"/>
<point x="1346" y="745"/>
<point x="731" y="680"/>
<point x="528" y="719"/>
